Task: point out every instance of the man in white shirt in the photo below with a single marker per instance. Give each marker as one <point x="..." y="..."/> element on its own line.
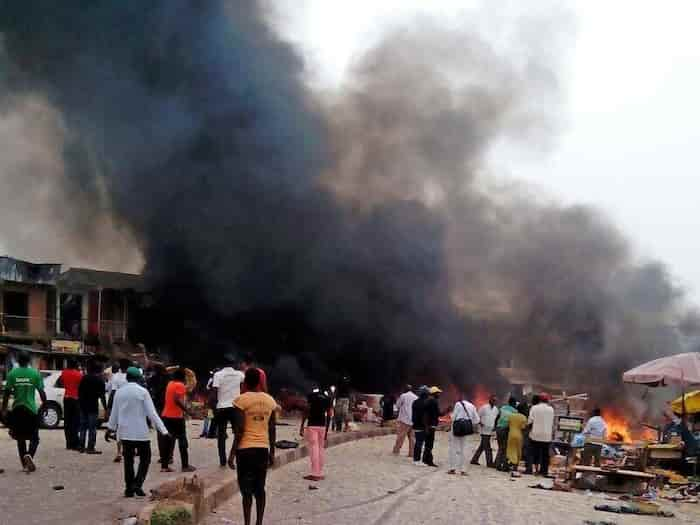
<point x="132" y="408"/>
<point x="595" y="431"/>
<point x="117" y="381"/>
<point x="463" y="410"/>
<point x="542" y="420"/>
<point x="404" y="423"/>
<point x="487" y="415"/>
<point x="226" y="384"/>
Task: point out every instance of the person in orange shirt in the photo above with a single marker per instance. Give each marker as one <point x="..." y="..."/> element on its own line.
<point x="254" y="444"/>
<point x="70" y="380"/>
<point x="173" y="417"/>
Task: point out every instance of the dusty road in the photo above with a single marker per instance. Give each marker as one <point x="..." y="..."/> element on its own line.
<point x="93" y="485"/>
<point x="367" y="485"/>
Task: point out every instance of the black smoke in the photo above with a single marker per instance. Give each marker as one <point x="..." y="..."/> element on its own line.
<point x="357" y="231"/>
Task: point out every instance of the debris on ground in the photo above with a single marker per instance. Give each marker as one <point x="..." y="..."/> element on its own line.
<point x="555" y="485"/>
<point x="313" y="487"/>
<point x="595" y="522"/>
<point x="686" y="494"/>
<point x="58" y="487"/>
<point x="630" y="508"/>
<point x="673" y="477"/>
<point x="285" y="444"/>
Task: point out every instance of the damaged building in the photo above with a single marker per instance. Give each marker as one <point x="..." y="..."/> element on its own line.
<point x="44" y="307"/>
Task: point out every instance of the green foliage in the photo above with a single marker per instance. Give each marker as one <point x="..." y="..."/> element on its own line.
<point x="171" y="516"/>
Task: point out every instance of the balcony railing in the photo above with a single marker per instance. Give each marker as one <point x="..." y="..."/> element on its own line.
<point x="113" y="331"/>
<point x="20" y="325"/>
<point x="27" y="325"/>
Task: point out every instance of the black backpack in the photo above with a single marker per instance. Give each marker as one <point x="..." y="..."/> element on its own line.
<point x="463" y="427"/>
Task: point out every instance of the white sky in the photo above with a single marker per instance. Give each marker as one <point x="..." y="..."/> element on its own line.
<point x="632" y="80"/>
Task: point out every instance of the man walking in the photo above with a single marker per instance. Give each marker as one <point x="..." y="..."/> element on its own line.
<point x="174" y="419"/>
<point x="253" y="444"/>
<point x="502" y="432"/>
<point x="132" y="408"/>
<point x="70" y="380"/>
<point x="487" y="417"/>
<point x="341" y="412"/>
<point x="419" y="430"/>
<point x="157" y="385"/>
<point x="24" y="382"/>
<point x="542" y="420"/>
<point x="404" y="424"/>
<point x="226" y="385"/>
<point x="90" y="392"/>
<point x="117" y="381"/>
<point x="431" y="419"/>
<point x="463" y="411"/>
<point x="318" y="415"/>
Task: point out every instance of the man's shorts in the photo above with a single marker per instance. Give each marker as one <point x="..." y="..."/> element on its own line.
<point x="251" y="465"/>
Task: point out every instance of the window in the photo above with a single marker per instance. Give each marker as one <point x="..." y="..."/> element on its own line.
<point x="15" y="312"/>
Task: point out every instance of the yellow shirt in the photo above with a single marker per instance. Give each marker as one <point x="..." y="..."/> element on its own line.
<point x="257" y="407"/>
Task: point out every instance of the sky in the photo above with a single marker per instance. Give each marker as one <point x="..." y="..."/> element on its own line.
<point x="630" y="78"/>
<point x="629" y="136"/>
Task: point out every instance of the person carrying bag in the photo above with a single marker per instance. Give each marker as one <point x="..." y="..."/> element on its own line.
<point x="464" y="420"/>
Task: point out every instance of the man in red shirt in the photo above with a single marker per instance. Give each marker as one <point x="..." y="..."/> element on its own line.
<point x="249" y="362"/>
<point x="70" y="379"/>
<point x="173" y="417"/>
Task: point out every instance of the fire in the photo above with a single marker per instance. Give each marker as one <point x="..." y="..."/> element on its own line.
<point x="480" y="396"/>
<point x="620" y="429"/>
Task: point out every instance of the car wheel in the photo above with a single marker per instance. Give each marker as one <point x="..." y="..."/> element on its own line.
<point x="51" y="415"/>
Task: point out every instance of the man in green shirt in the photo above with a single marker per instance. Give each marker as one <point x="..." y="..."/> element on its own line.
<point x="502" y="432"/>
<point x="23" y="383"/>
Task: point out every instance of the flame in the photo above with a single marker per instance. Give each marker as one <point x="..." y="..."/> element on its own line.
<point x="620" y="428"/>
<point x="480" y="396"/>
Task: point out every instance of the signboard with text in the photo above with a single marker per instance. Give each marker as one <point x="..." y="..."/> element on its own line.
<point x="67" y="346"/>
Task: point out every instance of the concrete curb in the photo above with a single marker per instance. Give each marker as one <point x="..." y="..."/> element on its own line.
<point x="217" y="487"/>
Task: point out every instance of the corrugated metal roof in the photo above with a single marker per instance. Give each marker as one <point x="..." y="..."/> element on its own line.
<point x="94" y="279"/>
<point x="19" y="271"/>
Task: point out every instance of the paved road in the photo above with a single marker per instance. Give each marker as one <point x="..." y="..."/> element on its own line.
<point x="93" y="484"/>
<point x="366" y="485"/>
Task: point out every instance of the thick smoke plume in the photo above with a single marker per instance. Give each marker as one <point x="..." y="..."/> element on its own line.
<point x="359" y="231"/>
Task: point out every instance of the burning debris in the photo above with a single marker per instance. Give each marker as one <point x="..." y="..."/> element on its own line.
<point x="355" y="232"/>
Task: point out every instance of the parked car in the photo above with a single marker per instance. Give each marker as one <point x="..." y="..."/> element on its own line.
<point x="52" y="413"/>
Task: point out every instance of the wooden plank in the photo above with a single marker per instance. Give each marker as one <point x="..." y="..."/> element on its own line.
<point x="598" y="470"/>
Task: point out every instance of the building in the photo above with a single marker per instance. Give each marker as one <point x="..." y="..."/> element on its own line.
<point x="40" y="304"/>
<point x="27" y="298"/>
<point x="96" y="304"/>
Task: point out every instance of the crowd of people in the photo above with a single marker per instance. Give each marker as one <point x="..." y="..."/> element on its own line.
<point x="523" y="431"/>
<point x="135" y="403"/>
